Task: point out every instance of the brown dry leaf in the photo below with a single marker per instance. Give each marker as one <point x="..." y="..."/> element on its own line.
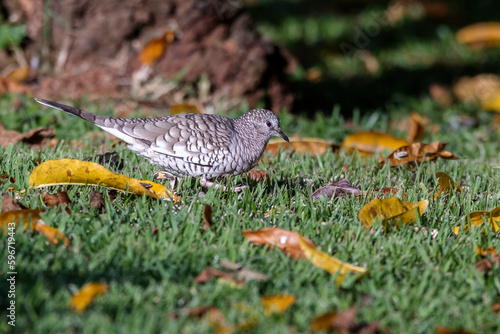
<point x="372" y="141"/>
<point x="184" y="108"/>
<point x="417" y="153"/>
<point x="446" y="184"/>
<point x="10" y="86"/>
<point x="480" y="35"/>
<point x="344" y="322"/>
<point x="11" y="204"/>
<point x="209" y="272"/>
<point x="417" y="128"/>
<point x="83" y="297"/>
<point x="495" y="307"/>
<point x="314" y="146"/>
<point x="154" y="49"/>
<point x="37" y="137"/>
<point x="5" y="176"/>
<point x="287" y="241"/>
<point x="61" y="199"/>
<point x="479" y="88"/>
<point x="485" y="251"/>
<point x="32" y="219"/>
<point x="256" y="175"/>
<point x="207" y="218"/>
<point x="97" y="201"/>
<point x="445" y="330"/>
<point x="441" y="94"/>
<point x="391" y="210"/>
<point x="329" y="263"/>
<point x="277" y="304"/>
<point x="337" y="189"/>
<point x="69" y="171"/>
<point x="476" y="219"/>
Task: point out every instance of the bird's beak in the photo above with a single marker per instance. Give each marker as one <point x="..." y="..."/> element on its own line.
<point x="282" y="135"/>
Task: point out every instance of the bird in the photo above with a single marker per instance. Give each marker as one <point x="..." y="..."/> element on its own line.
<point x="192" y="145"/>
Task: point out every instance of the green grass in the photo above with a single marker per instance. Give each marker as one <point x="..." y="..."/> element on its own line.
<point x="415" y="283"/>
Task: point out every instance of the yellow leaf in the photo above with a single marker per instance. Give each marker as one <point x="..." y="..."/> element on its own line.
<point x="327" y="262"/>
<point x="390" y="209"/>
<point x="480" y="35"/>
<point x="314" y="146"/>
<point x="446" y="184"/>
<point x="484" y="251"/>
<point x="83" y="297"/>
<point x="153" y="50"/>
<point x="69" y="171"/>
<point x="372" y="141"/>
<point x="492" y="102"/>
<point x="476" y="219"/>
<point x="277" y="304"/>
<point x="19" y="75"/>
<point x="184" y="108"/>
<point x="52" y="235"/>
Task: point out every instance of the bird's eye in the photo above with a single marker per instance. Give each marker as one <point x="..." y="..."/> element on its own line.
<point x="268" y="124"/>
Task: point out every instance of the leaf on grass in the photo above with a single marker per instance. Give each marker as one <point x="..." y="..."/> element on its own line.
<point x="238" y="274"/>
<point x="19" y="75"/>
<point x="417" y="153"/>
<point x="485" y="251"/>
<point x="446" y="184"/>
<point x="184" y="108"/>
<point x="83" y="297"/>
<point x="481" y="87"/>
<point x="314" y="146"/>
<point x="207" y="218"/>
<point x="61" y="199"/>
<point x="243" y="274"/>
<point x="277" y="304"/>
<point x="344" y="322"/>
<point x="36" y="137"/>
<point x="97" y="201"/>
<point x="480" y="35"/>
<point x="390" y="210"/>
<point x="445" y="330"/>
<point x="69" y="171"/>
<point x="492" y="103"/>
<point x="337" y="189"/>
<point x="477" y="218"/>
<point x="329" y="263"/>
<point x="256" y="175"/>
<point x="11" y="204"/>
<point x="287" y="241"/>
<point x="32" y="216"/>
<point x="6" y="176"/>
<point x="372" y="141"/>
<point x="417" y="128"/>
<point x="210" y="272"/>
<point x="154" y="49"/>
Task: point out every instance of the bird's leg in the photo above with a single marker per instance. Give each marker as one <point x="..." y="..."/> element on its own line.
<point x="207" y="184"/>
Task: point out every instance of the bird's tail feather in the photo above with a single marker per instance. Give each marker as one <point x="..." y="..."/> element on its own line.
<point x="93" y="118"/>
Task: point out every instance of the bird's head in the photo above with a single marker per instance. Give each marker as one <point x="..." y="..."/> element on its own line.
<point x="265" y="123"/>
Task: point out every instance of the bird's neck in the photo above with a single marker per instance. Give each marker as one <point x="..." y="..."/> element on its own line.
<point x="250" y="143"/>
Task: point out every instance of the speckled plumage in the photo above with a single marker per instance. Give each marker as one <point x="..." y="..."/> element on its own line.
<point x="196" y="145"/>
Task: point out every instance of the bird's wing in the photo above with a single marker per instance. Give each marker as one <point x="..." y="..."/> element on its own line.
<point x="192" y="137"/>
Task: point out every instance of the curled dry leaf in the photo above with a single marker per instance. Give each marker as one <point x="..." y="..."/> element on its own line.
<point x="417" y="128"/>
<point x="36" y="137"/>
<point x="477" y="218"/>
<point x="372" y="141"/>
<point x="11" y="204"/>
<point x="277" y="304"/>
<point x="314" y="146"/>
<point x="69" y="171"/>
<point x="391" y="210"/>
<point x="61" y="199"/>
<point x="337" y="190"/>
<point x="256" y="175"/>
<point x="480" y="35"/>
<point x="153" y="50"/>
<point x="287" y="241"/>
<point x="83" y="297"/>
<point x="446" y="184"/>
<point x="329" y="263"/>
<point x="417" y="153"/>
<point x="207" y="218"/>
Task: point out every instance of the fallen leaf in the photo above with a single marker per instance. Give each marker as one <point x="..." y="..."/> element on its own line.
<point x="37" y="137"/>
<point x="481" y="87"/>
<point x="492" y="103"/>
<point x="313" y="146"/>
<point x="256" y="175"/>
<point x="391" y="210"/>
<point x="184" y="108"/>
<point x="97" y="201"/>
<point x="52" y="235"/>
<point x="11" y="204"/>
<point x="83" y="297"/>
<point x="69" y="171"/>
<point x="207" y="218"/>
<point x="344" y="322"/>
<point x="10" y="86"/>
<point x="154" y="49"/>
<point x="446" y="184"/>
<point x="445" y="330"/>
<point x="209" y="272"/>
<point x="277" y="304"/>
<point x="441" y="94"/>
<point x="372" y="141"/>
<point x="61" y="199"/>
<point x="485" y="251"/>
<point x="337" y="189"/>
<point x="418" y="153"/>
<point x="480" y="35"/>
<point x="287" y="241"/>
<point x="495" y="307"/>
<point x="243" y="274"/>
<point x="329" y="263"/>
<point x="476" y="219"/>
<point x="19" y="75"/>
<point x="417" y="128"/>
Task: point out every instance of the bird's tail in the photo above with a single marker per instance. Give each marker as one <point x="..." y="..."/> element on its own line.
<point x="93" y="118"/>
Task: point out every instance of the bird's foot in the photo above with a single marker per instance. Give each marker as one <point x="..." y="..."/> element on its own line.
<point x="208" y="184"/>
